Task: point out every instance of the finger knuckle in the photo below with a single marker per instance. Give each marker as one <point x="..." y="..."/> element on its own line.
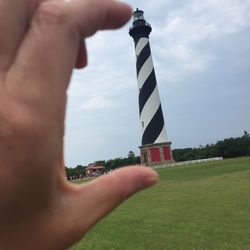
<point x="51" y="13"/>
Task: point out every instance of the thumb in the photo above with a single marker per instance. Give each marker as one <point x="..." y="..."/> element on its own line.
<point x="99" y="197"/>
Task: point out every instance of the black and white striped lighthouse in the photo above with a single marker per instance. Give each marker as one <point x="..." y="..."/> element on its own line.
<point x="155" y="148"/>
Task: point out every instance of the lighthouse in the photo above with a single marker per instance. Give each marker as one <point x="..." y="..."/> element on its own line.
<point x="155" y="147"/>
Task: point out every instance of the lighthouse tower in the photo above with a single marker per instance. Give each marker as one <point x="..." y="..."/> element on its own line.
<point x="155" y="148"/>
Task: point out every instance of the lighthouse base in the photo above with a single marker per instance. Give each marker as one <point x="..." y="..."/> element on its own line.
<point x="156" y="154"/>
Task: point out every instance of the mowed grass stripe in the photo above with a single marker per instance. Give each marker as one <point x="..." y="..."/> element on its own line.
<point x="200" y="206"/>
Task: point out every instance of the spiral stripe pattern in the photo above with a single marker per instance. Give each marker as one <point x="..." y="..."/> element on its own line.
<point x="152" y="121"/>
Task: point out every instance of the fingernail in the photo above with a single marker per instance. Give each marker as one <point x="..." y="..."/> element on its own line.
<point x="150" y="181"/>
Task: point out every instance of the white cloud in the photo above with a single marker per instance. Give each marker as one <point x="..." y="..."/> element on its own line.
<point x="96" y="103"/>
<point x="179" y="37"/>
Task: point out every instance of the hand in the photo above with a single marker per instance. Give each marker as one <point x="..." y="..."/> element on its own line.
<point x="40" y="43"/>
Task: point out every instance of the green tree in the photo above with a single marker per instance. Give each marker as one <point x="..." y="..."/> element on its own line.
<point x="131" y="155"/>
<point x="100" y="163"/>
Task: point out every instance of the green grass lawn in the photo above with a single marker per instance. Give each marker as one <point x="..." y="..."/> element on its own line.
<point x="201" y="206"/>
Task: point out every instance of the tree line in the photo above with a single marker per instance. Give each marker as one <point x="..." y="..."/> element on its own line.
<point x="227" y="148"/>
<point x="131" y="159"/>
<point x="109" y="165"/>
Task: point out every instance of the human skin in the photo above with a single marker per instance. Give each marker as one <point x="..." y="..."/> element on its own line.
<point x="41" y="41"/>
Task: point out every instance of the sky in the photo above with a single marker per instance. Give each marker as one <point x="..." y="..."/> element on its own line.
<point x="201" y="55"/>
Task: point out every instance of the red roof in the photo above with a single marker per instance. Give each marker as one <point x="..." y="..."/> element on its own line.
<point x="94" y="166"/>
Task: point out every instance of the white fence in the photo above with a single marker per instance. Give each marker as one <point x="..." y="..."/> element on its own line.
<point x="183" y="163"/>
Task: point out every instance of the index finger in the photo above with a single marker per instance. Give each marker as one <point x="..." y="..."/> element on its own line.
<point x="102" y="14"/>
<point x="50" y="48"/>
